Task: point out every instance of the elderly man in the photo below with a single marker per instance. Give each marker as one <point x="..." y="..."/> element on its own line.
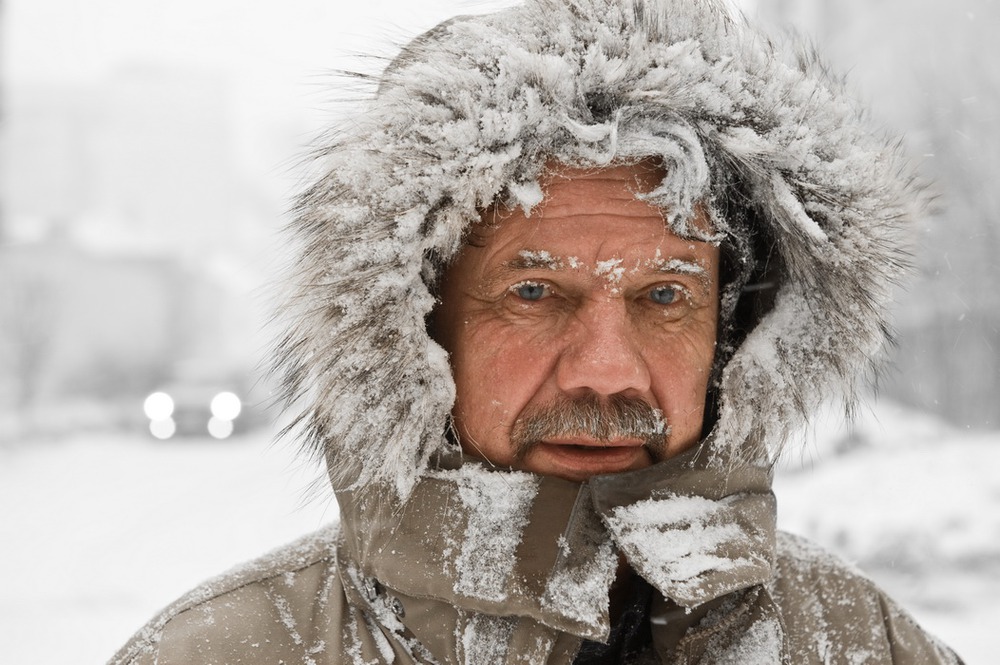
<point x="571" y="280"/>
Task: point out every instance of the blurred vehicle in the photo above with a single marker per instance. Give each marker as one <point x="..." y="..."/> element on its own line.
<point x="190" y="409"/>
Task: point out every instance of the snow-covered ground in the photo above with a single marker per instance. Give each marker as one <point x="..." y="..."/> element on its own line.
<point x="916" y="504"/>
<point x="98" y="532"/>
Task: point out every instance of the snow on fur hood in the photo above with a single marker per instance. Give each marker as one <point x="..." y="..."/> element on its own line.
<point x="471" y="111"/>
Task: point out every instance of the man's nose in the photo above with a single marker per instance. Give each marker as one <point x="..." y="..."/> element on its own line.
<point x="601" y="352"/>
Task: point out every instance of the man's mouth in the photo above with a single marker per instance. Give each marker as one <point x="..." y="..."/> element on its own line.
<point x="579" y="438"/>
<point x="587" y="442"/>
<point x="575" y="459"/>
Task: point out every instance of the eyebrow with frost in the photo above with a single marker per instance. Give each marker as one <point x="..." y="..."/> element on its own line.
<point x="611" y="270"/>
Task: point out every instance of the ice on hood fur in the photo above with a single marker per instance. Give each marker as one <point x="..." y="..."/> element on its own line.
<point x="472" y="110"/>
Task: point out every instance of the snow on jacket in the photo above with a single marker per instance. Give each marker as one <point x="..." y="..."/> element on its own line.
<point x="442" y="583"/>
<point x="438" y="559"/>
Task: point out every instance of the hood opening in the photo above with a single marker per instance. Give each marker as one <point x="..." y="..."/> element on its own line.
<point x="750" y="273"/>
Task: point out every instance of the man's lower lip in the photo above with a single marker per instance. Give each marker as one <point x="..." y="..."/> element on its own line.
<point x="596" y="458"/>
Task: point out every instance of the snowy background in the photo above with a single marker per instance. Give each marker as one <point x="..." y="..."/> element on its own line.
<point x="147" y="154"/>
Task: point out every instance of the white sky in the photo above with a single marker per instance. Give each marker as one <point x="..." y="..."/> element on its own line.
<point x="76" y="40"/>
<point x="279" y="53"/>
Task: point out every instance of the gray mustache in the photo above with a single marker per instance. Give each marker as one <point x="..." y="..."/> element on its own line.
<point x="616" y="417"/>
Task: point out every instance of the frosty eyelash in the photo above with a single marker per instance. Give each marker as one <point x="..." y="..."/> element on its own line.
<point x="516" y="288"/>
<point x="680" y="290"/>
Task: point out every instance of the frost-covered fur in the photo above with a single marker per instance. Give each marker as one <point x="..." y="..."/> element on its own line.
<point x="471" y="112"/>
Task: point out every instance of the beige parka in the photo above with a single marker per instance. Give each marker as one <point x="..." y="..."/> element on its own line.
<point x="439" y="559"/>
<point x="386" y="586"/>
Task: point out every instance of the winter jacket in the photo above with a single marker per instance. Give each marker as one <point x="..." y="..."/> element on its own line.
<point x="440" y="581"/>
<point x="440" y="559"/>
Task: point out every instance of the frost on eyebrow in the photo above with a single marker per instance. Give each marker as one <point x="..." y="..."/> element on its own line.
<point x="538" y="259"/>
<point x="676" y="266"/>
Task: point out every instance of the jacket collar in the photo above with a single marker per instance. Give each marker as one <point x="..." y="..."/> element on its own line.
<point x="517" y="544"/>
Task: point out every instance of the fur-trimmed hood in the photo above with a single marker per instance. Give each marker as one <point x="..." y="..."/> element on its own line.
<point x="810" y="197"/>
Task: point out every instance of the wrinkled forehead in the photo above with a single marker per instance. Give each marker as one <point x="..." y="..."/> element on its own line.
<point x="594" y="221"/>
<point x="637" y="178"/>
<point x="626" y="190"/>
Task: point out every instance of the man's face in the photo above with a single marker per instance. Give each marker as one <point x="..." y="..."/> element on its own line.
<point x="576" y="331"/>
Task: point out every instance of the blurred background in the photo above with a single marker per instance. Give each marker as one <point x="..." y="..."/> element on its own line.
<point x="148" y="154"/>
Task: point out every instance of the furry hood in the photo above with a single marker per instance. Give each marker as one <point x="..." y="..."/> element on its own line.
<point x="811" y="200"/>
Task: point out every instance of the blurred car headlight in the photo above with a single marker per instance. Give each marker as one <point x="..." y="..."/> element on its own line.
<point x="226" y="406"/>
<point x="158" y="406"/>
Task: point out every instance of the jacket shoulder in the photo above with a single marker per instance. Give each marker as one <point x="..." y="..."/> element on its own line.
<point x="833" y="613"/>
<point x="263" y="607"/>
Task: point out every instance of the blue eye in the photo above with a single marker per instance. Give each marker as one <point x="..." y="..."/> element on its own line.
<point x="530" y="290"/>
<point x="664" y="295"/>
